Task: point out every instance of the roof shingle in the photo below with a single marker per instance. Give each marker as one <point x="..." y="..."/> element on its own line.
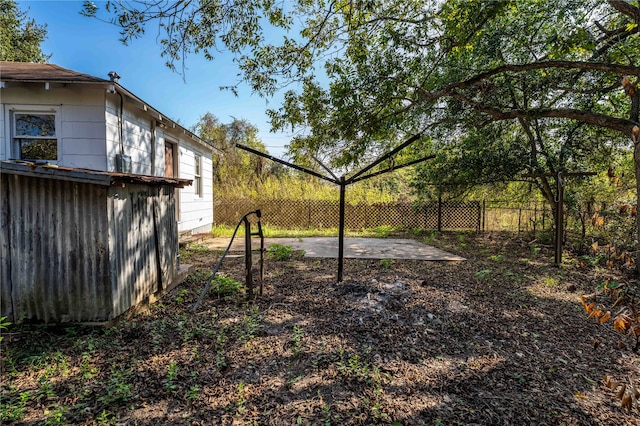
<point x="21" y="71"/>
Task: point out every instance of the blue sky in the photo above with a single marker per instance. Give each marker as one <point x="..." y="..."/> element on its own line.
<point x="91" y="46"/>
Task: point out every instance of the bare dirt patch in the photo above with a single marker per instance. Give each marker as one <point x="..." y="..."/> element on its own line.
<point x="500" y="338"/>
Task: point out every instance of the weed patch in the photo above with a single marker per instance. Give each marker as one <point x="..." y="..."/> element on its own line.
<point x="225" y="286"/>
<point x="279" y="252"/>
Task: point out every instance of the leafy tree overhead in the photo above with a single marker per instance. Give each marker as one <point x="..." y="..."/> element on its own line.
<point x="501" y="87"/>
<point x="20" y="37"/>
<point x="497" y="88"/>
<point x="464" y="53"/>
<point x="399" y="67"/>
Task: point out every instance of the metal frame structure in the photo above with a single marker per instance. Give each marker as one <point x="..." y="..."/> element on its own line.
<point x="342" y="181"/>
<point x="247" y="257"/>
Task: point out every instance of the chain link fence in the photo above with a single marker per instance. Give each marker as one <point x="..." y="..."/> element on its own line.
<point x="516" y="217"/>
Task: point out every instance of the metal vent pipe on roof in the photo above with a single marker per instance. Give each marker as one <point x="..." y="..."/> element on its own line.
<point x="114" y="76"/>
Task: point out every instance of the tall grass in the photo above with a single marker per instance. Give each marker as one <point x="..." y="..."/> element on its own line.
<point x="307" y="188"/>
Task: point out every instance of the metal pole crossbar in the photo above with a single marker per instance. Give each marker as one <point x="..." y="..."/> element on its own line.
<point x="342" y="182"/>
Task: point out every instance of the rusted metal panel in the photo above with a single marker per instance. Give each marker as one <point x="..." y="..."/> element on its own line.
<point x="57" y="258"/>
<point x="132" y="263"/>
<point x="6" y="306"/>
<point x="143" y="241"/>
<point x="167" y="233"/>
<point x="81" y="252"/>
<point x="97" y="177"/>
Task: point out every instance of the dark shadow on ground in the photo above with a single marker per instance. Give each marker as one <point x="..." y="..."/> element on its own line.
<point x="497" y="339"/>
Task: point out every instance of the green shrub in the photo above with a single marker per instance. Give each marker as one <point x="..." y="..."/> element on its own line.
<point x="4" y="324"/>
<point x="483" y="274"/>
<point x="199" y="276"/>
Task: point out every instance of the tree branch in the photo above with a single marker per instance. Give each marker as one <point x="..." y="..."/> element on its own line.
<point x="588" y="117"/>
<point x="626" y="8"/>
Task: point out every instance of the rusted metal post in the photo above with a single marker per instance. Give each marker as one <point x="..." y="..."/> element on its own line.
<point x="247" y="258"/>
<point x="341" y="230"/>
<point x="262" y="249"/>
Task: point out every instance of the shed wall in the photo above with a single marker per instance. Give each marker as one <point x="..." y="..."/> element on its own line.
<point x="53" y="237"/>
<point x="82" y="252"/>
<point x="143" y="242"/>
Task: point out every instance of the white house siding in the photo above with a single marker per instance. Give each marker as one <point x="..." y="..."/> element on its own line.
<point x="80" y="117"/>
<point x="196" y="213"/>
<point x="136" y="135"/>
<point x="159" y="149"/>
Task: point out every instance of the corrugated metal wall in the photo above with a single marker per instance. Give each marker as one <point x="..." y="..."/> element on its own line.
<point x="83" y="252"/>
<point x="54" y="250"/>
<point x="143" y="242"/>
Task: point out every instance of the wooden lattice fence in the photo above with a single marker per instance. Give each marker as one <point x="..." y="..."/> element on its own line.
<point x="325" y="214"/>
<point x="609" y="224"/>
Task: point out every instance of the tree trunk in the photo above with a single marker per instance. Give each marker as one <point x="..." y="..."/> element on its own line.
<point x="636" y="161"/>
<point x="634" y="116"/>
<point x="549" y="195"/>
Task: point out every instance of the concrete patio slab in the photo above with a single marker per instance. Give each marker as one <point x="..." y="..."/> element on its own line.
<point x="354" y="248"/>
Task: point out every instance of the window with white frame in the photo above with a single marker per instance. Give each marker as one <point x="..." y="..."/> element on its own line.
<point x="35" y="135"/>
<point x="197" y="175"/>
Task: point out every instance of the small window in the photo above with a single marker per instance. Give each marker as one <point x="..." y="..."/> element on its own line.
<point x="197" y="176"/>
<point x="35" y="136"/>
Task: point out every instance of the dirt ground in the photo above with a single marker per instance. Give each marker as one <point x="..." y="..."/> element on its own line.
<point x="498" y="339"/>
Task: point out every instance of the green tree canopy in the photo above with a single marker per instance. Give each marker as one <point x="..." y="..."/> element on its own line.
<point x="20" y="37"/>
<point x="398" y="68"/>
<point x="233" y="164"/>
<point x="500" y="88"/>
